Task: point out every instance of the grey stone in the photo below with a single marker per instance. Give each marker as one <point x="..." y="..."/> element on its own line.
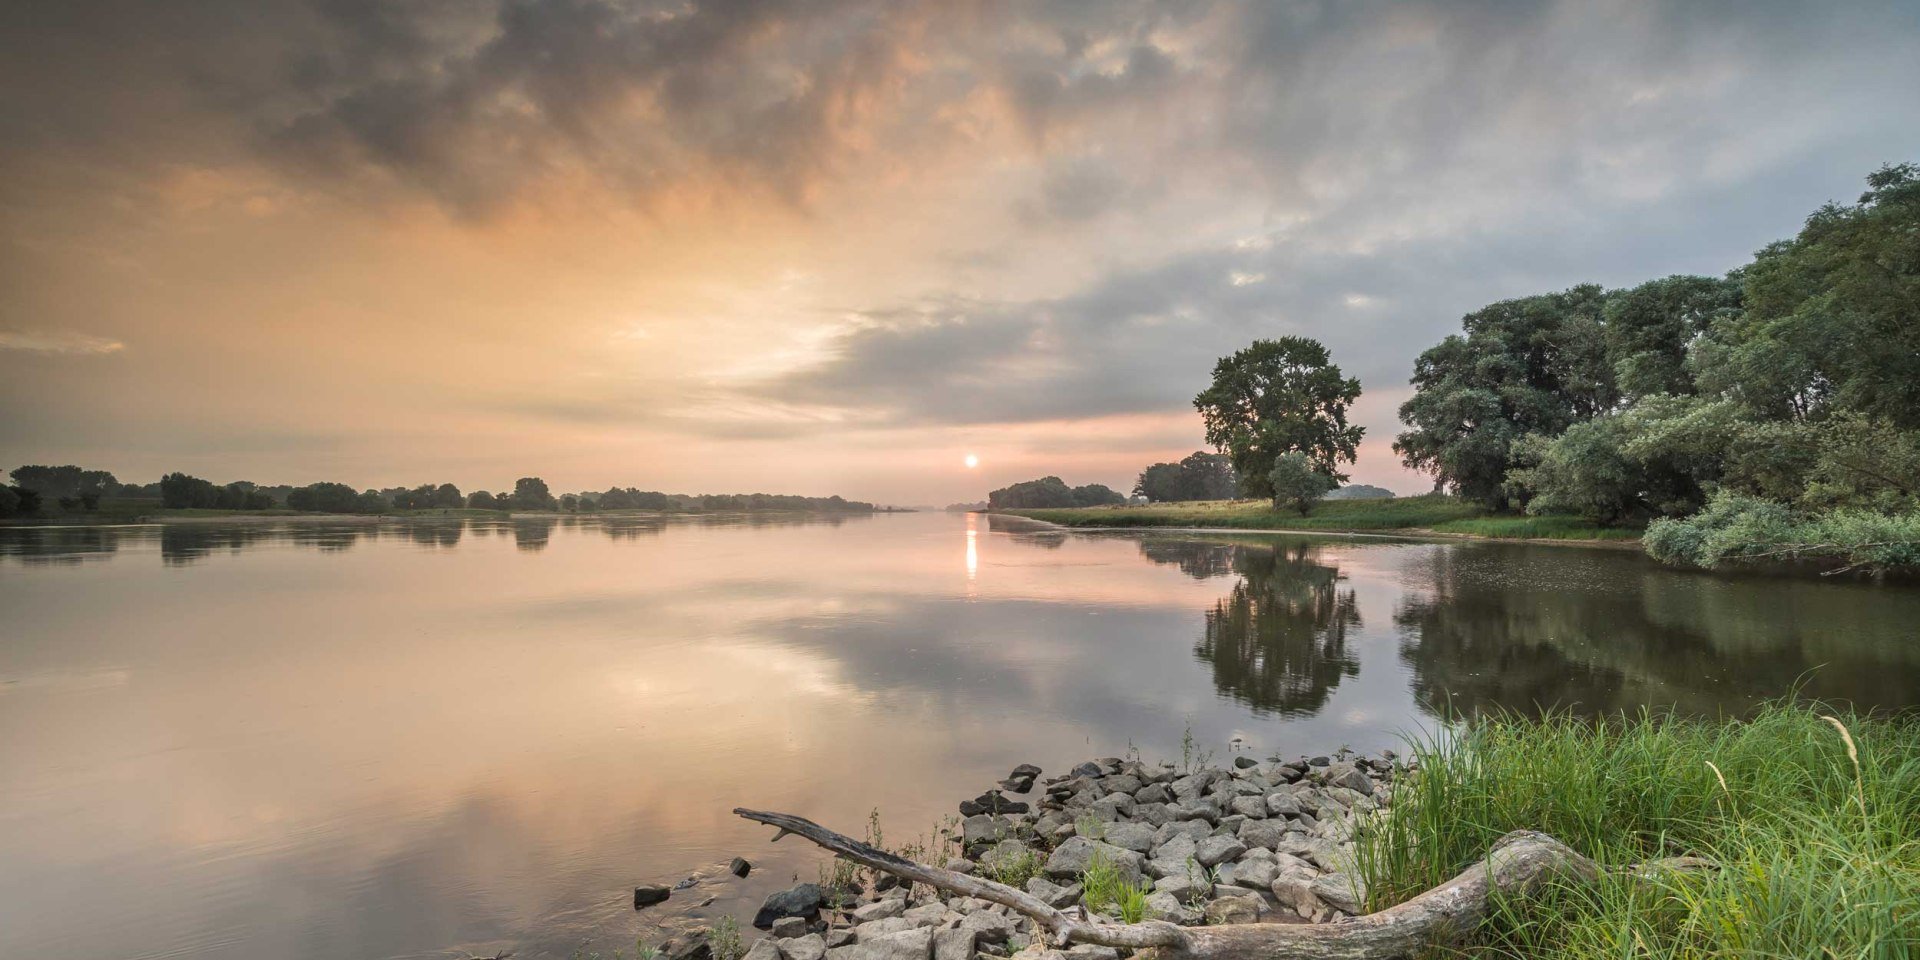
<point x="989" y="927"/>
<point x="1169" y="908"/>
<point x="739" y="867"/>
<point x="808" y="947"/>
<point x="802" y="900"/>
<point x="1179" y="847"/>
<point x="1195" y="808"/>
<point x="1006" y="855"/>
<point x="1113" y="806"/>
<point x="916" y="944"/>
<point x="879" y="910"/>
<point x="1120" y="783"/>
<point x="1187" y="886"/>
<point x="1345" y="892"/>
<point x="838" y="937"/>
<point x="788" y="927"/>
<point x="1257" y="874"/>
<point x="1195" y="830"/>
<point x="961" y="865"/>
<point x="1152" y="813"/>
<point x="1055" y="895"/>
<point x="763" y="950"/>
<point x="1349" y="776"/>
<point x="1252" y="807"/>
<point x="1296" y="893"/>
<point x="1233" y="910"/>
<point x="1282" y="803"/>
<point x="1154" y="793"/>
<point x="1137" y="837"/>
<point x="884" y="927"/>
<point x="1092" y="951"/>
<point x="1266" y="834"/>
<point x="1164" y="868"/>
<point x="1072" y="858"/>
<point x="1229" y="824"/>
<point x="644" y="897"/>
<point x="926" y="915"/>
<point x="984" y="828"/>
<point x="1214" y="850"/>
<point x="953" y="943"/>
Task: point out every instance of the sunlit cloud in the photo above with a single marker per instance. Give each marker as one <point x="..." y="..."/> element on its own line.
<point x="59" y="342"/>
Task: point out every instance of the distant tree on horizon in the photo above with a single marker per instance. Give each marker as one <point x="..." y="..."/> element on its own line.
<point x="1278" y="397"/>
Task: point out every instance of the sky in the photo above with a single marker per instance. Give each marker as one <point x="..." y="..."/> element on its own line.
<point x="834" y="246"/>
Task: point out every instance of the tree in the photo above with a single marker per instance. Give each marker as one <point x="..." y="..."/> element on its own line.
<point x="482" y="500"/>
<point x="1296" y="483"/>
<point x="1201" y="476"/>
<point x="335" y="498"/>
<point x="1651" y="328"/>
<point x="179" y="491"/>
<point x="446" y="495"/>
<point x="1277" y="397"/>
<point x="1044" y="492"/>
<point x="1096" y="495"/>
<point x="1533" y="365"/>
<point x="64" y="482"/>
<point x="530" y="493"/>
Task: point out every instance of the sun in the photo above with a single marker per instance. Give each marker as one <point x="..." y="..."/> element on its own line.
<point x="972" y="461"/>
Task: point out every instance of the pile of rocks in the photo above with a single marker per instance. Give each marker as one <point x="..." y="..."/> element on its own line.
<point x="1248" y="842"/>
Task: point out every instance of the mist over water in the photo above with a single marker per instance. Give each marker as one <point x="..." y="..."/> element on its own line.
<point x="353" y="740"/>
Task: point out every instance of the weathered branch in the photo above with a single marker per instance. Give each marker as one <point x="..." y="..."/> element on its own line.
<point x="1520" y="864"/>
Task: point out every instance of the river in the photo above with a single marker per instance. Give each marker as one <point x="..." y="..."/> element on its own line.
<point x="341" y="741"/>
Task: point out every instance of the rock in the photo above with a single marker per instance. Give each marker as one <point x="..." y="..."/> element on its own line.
<point x="1319" y="761"/>
<point x="1179" y="848"/>
<point x="1164" y="868"/>
<point x="1152" y="813"/>
<point x="808" y="947"/>
<point x="687" y="884"/>
<point x="916" y="944"/>
<point x="1053" y="894"/>
<point x="1245" y="762"/>
<point x="1252" y="807"/>
<point x="802" y="900"/>
<point x="990" y="928"/>
<point x="1257" y="874"/>
<point x="1169" y="908"/>
<point x="1345" y="892"/>
<point x="1006" y="855"/>
<point x="1113" y="806"/>
<point x="1282" y="803"/>
<point x="1088" y="769"/>
<point x="1265" y="834"/>
<point x="1197" y="808"/>
<point x="984" y="829"/>
<point x="953" y="943"/>
<point x="1229" y="825"/>
<point x="1349" y="776"/>
<point x="1195" y="830"/>
<point x="692" y="946"/>
<point x="644" y="897"/>
<point x="787" y="928"/>
<point x="961" y="865"/>
<point x="839" y="937"/>
<point x="1215" y="850"/>
<point x="1233" y="910"/>
<point x="1295" y="892"/>
<point x="1154" y="793"/>
<point x="1186" y="887"/>
<point x="1072" y="858"/>
<point x="991" y="802"/>
<point x="885" y="927"/>
<point x="1137" y="837"/>
<point x="879" y="910"/>
<point x="927" y="915"/>
<point x="739" y="867"/>
<point x="1025" y="771"/>
<point x="763" y="950"/>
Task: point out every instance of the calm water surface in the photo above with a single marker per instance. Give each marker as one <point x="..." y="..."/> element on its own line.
<point x="430" y="740"/>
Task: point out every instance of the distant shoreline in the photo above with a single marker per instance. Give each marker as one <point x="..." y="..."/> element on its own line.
<point x="165" y="517"/>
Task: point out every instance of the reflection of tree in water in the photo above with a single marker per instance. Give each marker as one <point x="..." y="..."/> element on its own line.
<point x="532" y="533"/>
<point x="1030" y="533"/>
<point x="1596" y="632"/>
<point x="436" y="534"/>
<point x="184" y="543"/>
<point x="631" y="528"/>
<point x="1278" y="641"/>
<point x="59" y="545"/>
<point x="1195" y="558"/>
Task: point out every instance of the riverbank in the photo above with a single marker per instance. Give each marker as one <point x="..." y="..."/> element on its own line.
<point x="1803" y="827"/>
<point x="1429" y="515"/>
<point x="111" y="514"/>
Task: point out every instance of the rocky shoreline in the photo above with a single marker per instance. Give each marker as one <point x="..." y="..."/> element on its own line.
<point x="1247" y="842"/>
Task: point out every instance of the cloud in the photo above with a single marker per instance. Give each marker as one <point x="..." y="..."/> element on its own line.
<point x="58" y="342"/>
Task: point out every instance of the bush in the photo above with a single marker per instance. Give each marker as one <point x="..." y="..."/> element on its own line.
<point x="1296" y="484"/>
<point x="1734" y="527"/>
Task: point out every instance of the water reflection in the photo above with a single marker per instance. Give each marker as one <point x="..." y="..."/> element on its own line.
<point x="59" y="545"/>
<point x="1278" y="640"/>
<point x="532" y="533"/>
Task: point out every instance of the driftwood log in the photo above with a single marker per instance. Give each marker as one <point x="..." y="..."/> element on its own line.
<point x="1520" y="864"/>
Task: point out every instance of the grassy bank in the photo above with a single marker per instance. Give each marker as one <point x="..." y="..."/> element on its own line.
<point x="1433" y="512"/>
<point x="1816" y="829"/>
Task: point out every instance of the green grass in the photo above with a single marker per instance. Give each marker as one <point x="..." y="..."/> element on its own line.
<point x="1819" y="854"/>
<point x="1435" y="512"/>
<point x="1104" y="890"/>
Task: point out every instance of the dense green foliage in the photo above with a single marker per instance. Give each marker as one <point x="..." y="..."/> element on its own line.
<point x="1199" y="476"/>
<point x="1278" y="397"/>
<point x="1795" y="381"/>
<point x="1053" y="492"/>
<point x="335" y="498"/>
<point x="1401" y="513"/>
<point x="178" y="491"/>
<point x="1814" y="822"/>
<point x="1295" y="484"/>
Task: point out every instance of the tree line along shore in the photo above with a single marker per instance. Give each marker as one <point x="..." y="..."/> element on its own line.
<point x="75" y="494"/>
<point x="1770" y="414"/>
